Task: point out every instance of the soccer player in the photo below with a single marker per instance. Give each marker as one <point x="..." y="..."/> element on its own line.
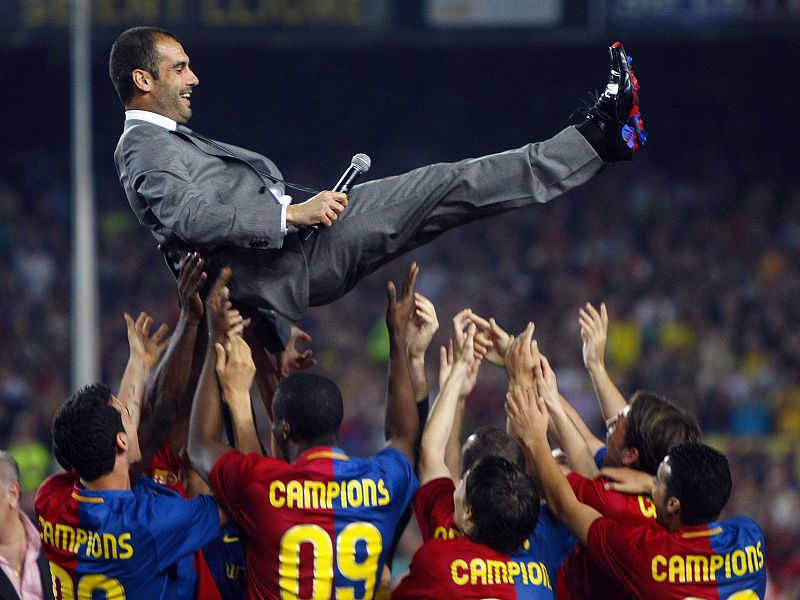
<point x="104" y="528"/>
<point x="319" y="523"/>
<point x="688" y="552"/>
<point x="529" y="566"/>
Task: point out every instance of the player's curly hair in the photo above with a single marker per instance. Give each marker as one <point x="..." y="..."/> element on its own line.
<point x="654" y="425"/>
<point x="134" y="49"/>
<point x="311" y="405"/>
<point x="504" y="504"/>
<point x="701" y="479"/>
<point x="85" y="431"/>
<point x="491" y="441"/>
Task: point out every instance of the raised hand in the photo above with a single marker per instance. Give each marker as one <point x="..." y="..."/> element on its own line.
<point x="235" y="368"/>
<point x="399" y="311"/>
<point x="146" y="347"/>
<point x="594" y="332"/>
<point x="527" y="414"/>
<point x="293" y="358"/>
<point x="217" y="307"/>
<point x="545" y="382"/>
<point x="492" y="341"/>
<point x="627" y="480"/>
<point x="191" y="280"/>
<point x="422" y="326"/>
<point x="520" y="359"/>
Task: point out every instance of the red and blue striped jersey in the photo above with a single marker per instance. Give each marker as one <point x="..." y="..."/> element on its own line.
<point x="722" y="560"/>
<point x="529" y="572"/>
<point x="135" y="544"/>
<point x="319" y="527"/>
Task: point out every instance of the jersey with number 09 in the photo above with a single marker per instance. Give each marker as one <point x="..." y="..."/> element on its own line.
<point x="720" y="560"/>
<point x="530" y="572"/>
<point x="121" y="544"/>
<point x="319" y="527"/>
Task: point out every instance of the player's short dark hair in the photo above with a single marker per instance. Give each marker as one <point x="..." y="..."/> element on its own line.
<point x="701" y="479"/>
<point x="85" y="430"/>
<point x="311" y="405"/>
<point x="654" y="425"/>
<point x="134" y="49"/>
<point x="504" y="504"/>
<point x="492" y="441"/>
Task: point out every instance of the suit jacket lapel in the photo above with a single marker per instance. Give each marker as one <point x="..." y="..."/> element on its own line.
<point x="44" y="573"/>
<point x="7" y="591"/>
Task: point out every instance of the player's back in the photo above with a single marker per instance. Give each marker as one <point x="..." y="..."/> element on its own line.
<point x="721" y="559"/>
<point x="319" y="527"/>
<point x="130" y="544"/>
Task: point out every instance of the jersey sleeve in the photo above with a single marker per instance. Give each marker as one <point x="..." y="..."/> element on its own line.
<point x="611" y="503"/>
<point x="179" y="527"/>
<point x="433" y="507"/>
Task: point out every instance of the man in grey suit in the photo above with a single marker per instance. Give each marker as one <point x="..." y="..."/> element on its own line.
<point x="229" y="203"/>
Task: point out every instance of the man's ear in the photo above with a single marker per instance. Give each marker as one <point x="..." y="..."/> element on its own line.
<point x="673" y="506"/>
<point x="122" y="441"/>
<point x="629" y="457"/>
<point x="14" y="493"/>
<point x="142" y="80"/>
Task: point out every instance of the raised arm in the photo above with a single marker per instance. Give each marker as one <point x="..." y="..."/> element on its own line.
<point x="144" y="353"/>
<point x="205" y="424"/>
<point x="439" y="426"/>
<point x="168" y="395"/>
<point x="594" y="332"/>
<point x="421" y="328"/>
<point x="235" y="371"/>
<point x="452" y="455"/>
<point x="528" y="418"/>
<point x="579" y="455"/>
<point x="491" y="340"/>
<point x="402" y="422"/>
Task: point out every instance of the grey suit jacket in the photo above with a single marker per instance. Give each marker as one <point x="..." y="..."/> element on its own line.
<point x="194" y="196"/>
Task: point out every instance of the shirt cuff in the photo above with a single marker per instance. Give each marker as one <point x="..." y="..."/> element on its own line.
<point x="285" y="201"/>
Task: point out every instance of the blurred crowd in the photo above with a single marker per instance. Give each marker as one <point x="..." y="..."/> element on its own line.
<point x="697" y="258"/>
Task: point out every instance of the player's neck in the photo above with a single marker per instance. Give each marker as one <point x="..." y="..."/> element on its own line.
<point x="296" y="449"/>
<point x="116" y="479"/>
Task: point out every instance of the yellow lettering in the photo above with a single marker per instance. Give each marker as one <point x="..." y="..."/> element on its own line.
<point x="127" y="549"/>
<point x="354" y="494"/>
<point x="696" y="568"/>
<point x="752" y="559"/>
<point x="61" y="580"/>
<point x="513" y="571"/>
<point x="294" y="494"/>
<point x="64" y="536"/>
<point x="760" y="555"/>
<point x="334" y="489"/>
<point x="676" y="569"/>
<point x="739" y="563"/>
<point x="456" y="572"/>
<point x="47" y="533"/>
<point x="535" y="573"/>
<point x="275" y="488"/>
<point x="109" y="546"/>
<point x="384" y="497"/>
<point x="728" y="566"/>
<point x="477" y="570"/>
<point x="314" y="494"/>
<point x="370" y="493"/>
<point x="497" y="571"/>
<point x="647" y="507"/>
<point x="717" y="560"/>
<point x="81" y="538"/>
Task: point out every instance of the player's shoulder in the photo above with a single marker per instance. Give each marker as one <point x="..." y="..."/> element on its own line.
<point x="741" y="524"/>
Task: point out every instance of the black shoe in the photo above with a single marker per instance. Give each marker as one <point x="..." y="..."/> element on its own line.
<point x="613" y="124"/>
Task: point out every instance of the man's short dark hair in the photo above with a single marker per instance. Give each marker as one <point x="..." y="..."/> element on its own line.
<point x="654" y="425"/>
<point x="85" y="431"/>
<point x="134" y="49"/>
<point x="492" y="441"/>
<point x="701" y="479"/>
<point x="311" y="405"/>
<point x="503" y="502"/>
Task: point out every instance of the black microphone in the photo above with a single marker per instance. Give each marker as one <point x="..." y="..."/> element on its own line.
<point x="358" y="165"/>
